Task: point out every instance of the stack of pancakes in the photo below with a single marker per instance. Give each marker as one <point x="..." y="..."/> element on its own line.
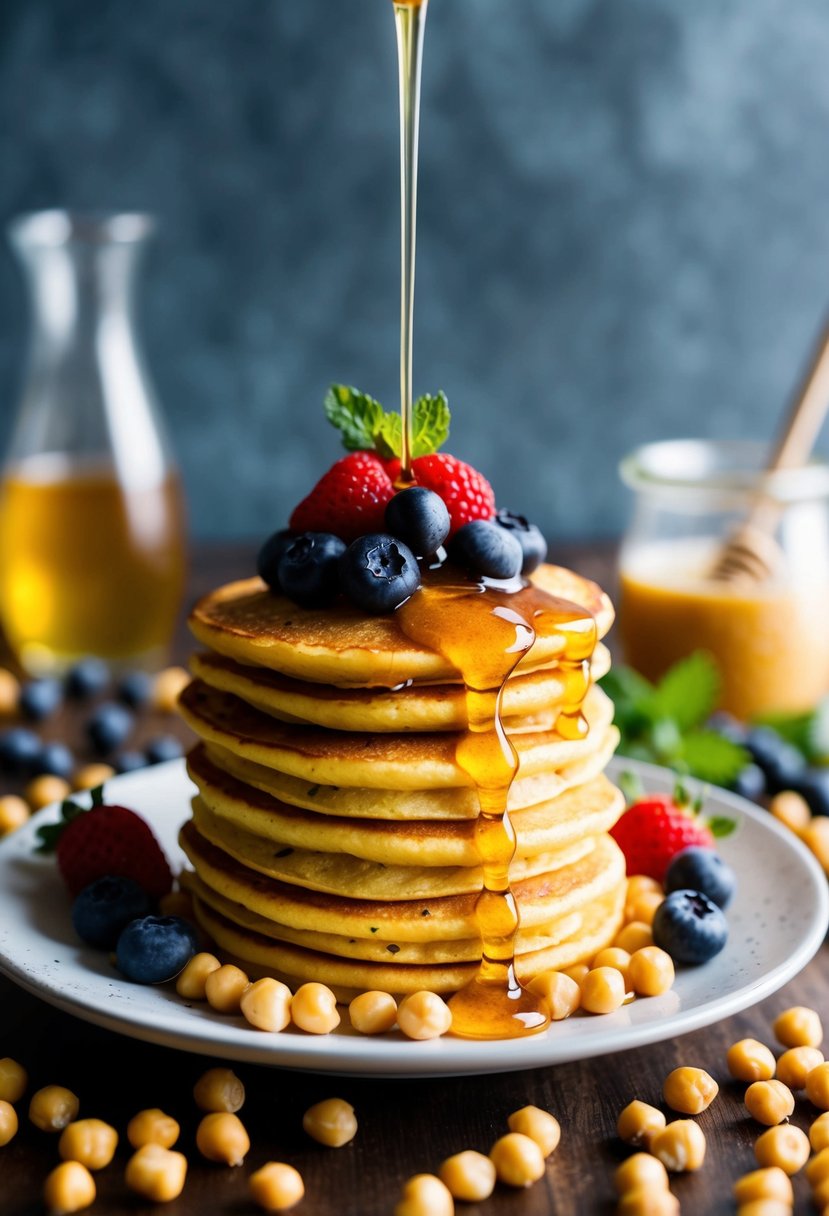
<point x="332" y="837"/>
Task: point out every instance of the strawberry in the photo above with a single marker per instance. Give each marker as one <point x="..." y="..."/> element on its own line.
<point x="466" y="492"/>
<point x="349" y="500"/>
<point x="655" y="829"/>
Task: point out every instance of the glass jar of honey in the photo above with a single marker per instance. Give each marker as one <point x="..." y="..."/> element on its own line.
<point x="92" y="549"/>
<point x="769" y="636"/>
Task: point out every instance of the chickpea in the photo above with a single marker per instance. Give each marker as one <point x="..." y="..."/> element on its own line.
<point x="314" y="1009"/>
<point x="560" y="993"/>
<point x="69" y="1188"/>
<point x="785" y="1146"/>
<point x="331" y="1122"/>
<point x="794" y="1065"/>
<point x="816" y="838"/>
<point x="8" y="1122"/>
<point x="680" y="1146"/>
<point x="640" y="1170"/>
<point x="167" y="687"/>
<point x="770" y="1183"/>
<point x="769" y="1102"/>
<point x="219" y="1090"/>
<point x="267" y="1005"/>
<point x="764" y="1207"/>
<point x="651" y="971"/>
<point x="152" y="1127"/>
<point x="425" y="1195"/>
<point x="469" y="1176"/>
<point x="224" y="987"/>
<point x="539" y="1125"/>
<point x="9" y="693"/>
<point x="192" y="980"/>
<point x="518" y="1160"/>
<point x="634" y="936"/>
<point x="14" y="812"/>
<point x="156" y="1173"/>
<point x="645" y="1202"/>
<point x="748" y="1060"/>
<point x="639" y="884"/>
<point x="791" y="809"/>
<point x="644" y="907"/>
<point x="614" y="956"/>
<point x="638" y="1122"/>
<point x="91" y="776"/>
<point x="44" y="790"/>
<point x="820" y="1193"/>
<point x="798" y="1027"/>
<point x="90" y="1141"/>
<point x="373" y="1012"/>
<point x="13" y="1080"/>
<point x="276" y="1187"/>
<point x="577" y="972"/>
<point x="689" y="1090"/>
<point x="817" y="1086"/>
<point x="221" y="1137"/>
<point x="819" y="1132"/>
<point x="52" y="1107"/>
<point x="818" y="1168"/>
<point x="424" y="1015"/>
<point x="176" y="903"/>
<point x="603" y="990"/>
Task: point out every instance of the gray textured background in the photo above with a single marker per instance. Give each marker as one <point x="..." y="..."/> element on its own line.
<point x="624" y="224"/>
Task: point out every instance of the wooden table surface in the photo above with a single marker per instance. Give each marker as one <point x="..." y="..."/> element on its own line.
<point x="405" y="1127"/>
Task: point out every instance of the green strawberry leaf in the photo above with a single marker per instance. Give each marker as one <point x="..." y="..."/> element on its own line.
<point x="687" y="693"/>
<point x="355" y="415"/>
<point x="97" y="795"/>
<point x="720" y="826"/>
<point x="712" y="758"/>
<point x="49" y="834"/>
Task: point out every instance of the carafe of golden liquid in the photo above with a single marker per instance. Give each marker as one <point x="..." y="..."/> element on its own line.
<point x="92" y="548"/>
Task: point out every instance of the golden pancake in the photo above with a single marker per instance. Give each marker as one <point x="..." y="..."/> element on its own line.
<point x="343" y="646"/>
<point x="370" y="761"/>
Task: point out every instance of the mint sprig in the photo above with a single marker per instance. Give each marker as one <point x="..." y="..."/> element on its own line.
<point x="365" y="426"/>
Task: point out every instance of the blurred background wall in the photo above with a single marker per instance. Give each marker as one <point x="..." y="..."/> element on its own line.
<point x="624" y="223"/>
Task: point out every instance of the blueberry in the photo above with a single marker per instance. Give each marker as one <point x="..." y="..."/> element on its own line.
<point x="780" y="761"/>
<point x="135" y="688"/>
<point x="40" y="698"/>
<point x="19" y="749"/>
<point x="420" y="518"/>
<point x="533" y="544"/>
<point x="487" y="549"/>
<point x="103" y="909"/>
<point x="690" y="927"/>
<point x="153" y="949"/>
<point x="379" y="573"/>
<point x="309" y="569"/>
<point x="129" y="762"/>
<point x="163" y="747"/>
<point x="813" y="785"/>
<point x="727" y="726"/>
<point x="54" y="758"/>
<point x="750" y="782"/>
<point x="270" y="555"/>
<point x="699" y="869"/>
<point x="86" y="678"/>
<point x="109" y="726"/>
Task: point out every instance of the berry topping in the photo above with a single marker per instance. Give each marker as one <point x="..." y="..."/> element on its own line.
<point x="155" y="948"/>
<point x="40" y="698"/>
<point x="309" y="569"/>
<point x="270" y="555"/>
<point x="781" y="761"/>
<point x="104" y="908"/>
<point x="86" y="678"/>
<point x="690" y="927"/>
<point x="466" y="492"/>
<point x="379" y="573"/>
<point x="654" y="830"/>
<point x="350" y="499"/>
<point x="135" y="688"/>
<point x="19" y="750"/>
<point x="55" y="759"/>
<point x="486" y="549"/>
<point x="163" y="747"/>
<point x="813" y="785"/>
<point x="129" y="762"/>
<point x="532" y="543"/>
<point x="702" y="870"/>
<point x="109" y="726"/>
<point x="420" y="518"/>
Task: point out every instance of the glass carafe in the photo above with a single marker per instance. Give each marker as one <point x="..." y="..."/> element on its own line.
<point x="92" y="549"/>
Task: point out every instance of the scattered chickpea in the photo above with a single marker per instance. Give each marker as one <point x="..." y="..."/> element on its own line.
<point x="373" y="1012"/>
<point x="314" y="1009"/>
<point x="224" y="987"/>
<point x="539" y="1125"/>
<point x="640" y="1170"/>
<point x="644" y="906"/>
<point x="156" y="1173"/>
<point x="816" y="838"/>
<point x="52" y="1107"/>
<point x="791" y="809"/>
<point x="167" y="687"/>
<point x="424" y="1015"/>
<point x="559" y="991"/>
<point x="14" y="812"/>
<point x="9" y="692"/>
<point x="769" y="1102"/>
<point x="176" y="903"/>
<point x="638" y="1122"/>
<point x="192" y="980"/>
<point x="69" y="1188"/>
<point x="220" y="1091"/>
<point x="8" y="1122"/>
<point x="748" y="1060"/>
<point x="331" y="1122"/>
<point x="577" y="972"/>
<point x="634" y="936"/>
<point x="603" y="990"/>
<point x="266" y="1004"/>
<point x="645" y="1202"/>
<point x="817" y="1086"/>
<point x="276" y="1187"/>
<point x="221" y="1137"/>
<point x="518" y="1160"/>
<point x="764" y="1207"/>
<point x="689" y="1090"/>
<point x="794" y="1065"/>
<point x="820" y="1194"/>
<point x="91" y="776"/>
<point x="798" y="1027"/>
<point x="13" y="1080"/>
<point x="680" y="1146"/>
<point x="152" y="1127"/>
<point x="769" y="1183"/>
<point x="90" y="1141"/>
<point x="639" y="884"/>
<point x="425" y="1195"/>
<point x="44" y="790"/>
<point x="785" y="1146"/>
<point x="651" y="971"/>
<point x="818" y="1168"/>
<point x="819" y="1132"/>
<point x="469" y="1176"/>
<point x="614" y="956"/>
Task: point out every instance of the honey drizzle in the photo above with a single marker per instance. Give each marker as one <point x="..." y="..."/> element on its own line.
<point x="485" y="631"/>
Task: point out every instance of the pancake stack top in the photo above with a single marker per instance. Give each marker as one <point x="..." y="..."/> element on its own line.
<point x="332" y="837"/>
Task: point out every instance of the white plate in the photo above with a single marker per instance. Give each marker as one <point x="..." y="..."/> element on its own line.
<point x="777" y="922"/>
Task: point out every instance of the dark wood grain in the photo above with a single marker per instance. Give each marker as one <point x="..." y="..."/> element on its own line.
<point x="405" y="1127"/>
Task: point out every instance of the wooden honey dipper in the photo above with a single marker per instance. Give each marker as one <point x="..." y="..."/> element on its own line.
<point x="751" y="553"/>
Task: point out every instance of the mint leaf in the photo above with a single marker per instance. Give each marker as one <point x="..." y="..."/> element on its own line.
<point x="720" y="826"/>
<point x="356" y="416"/>
<point x="388" y="438"/>
<point x="430" y="424"/>
<point x="712" y="758"/>
<point x="688" y="692"/>
<point x="630" y="694"/>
